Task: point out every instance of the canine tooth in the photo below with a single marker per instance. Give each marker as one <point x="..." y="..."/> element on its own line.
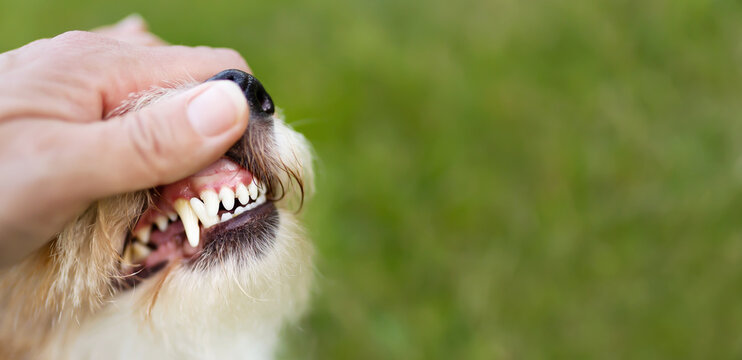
<point x="139" y="251"/>
<point x="143" y="234"/>
<point x="200" y="209"/>
<point x="253" y="190"/>
<point x="226" y="216"/>
<point x="227" y="196"/>
<point x="161" y="221"/>
<point x="189" y="219"/>
<point x="211" y="199"/>
<point x="172" y="216"/>
<point x="242" y="194"/>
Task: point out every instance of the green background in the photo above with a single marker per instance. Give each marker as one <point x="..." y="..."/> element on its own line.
<point x="497" y="179"/>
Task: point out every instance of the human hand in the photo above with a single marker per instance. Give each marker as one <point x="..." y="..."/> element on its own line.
<point x="57" y="155"/>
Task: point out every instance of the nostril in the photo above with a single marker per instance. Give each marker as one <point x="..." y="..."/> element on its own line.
<point x="257" y="96"/>
<point x="262" y="99"/>
<point x="255" y="93"/>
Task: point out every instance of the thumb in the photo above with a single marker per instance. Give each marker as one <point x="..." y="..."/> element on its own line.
<point x="166" y="141"/>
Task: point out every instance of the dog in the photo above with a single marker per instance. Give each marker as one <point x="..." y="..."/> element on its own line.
<point x="210" y="267"/>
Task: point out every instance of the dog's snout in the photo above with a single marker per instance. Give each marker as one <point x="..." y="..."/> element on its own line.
<point x="258" y="99"/>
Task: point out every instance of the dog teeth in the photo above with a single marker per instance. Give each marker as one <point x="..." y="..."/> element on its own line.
<point x="211" y="200"/>
<point x="227" y="196"/>
<point x="162" y="222"/>
<point x="200" y="209"/>
<point x="259" y="201"/>
<point x="253" y="190"/>
<point x="189" y="219"/>
<point x="242" y="194"/>
<point x="143" y="234"/>
<point x="240" y="210"/>
<point x="139" y="252"/>
<point x="203" y="209"/>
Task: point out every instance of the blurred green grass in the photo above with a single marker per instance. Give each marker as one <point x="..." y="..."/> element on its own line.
<point x="497" y="179"/>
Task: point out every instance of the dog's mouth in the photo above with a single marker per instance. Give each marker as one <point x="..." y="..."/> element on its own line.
<point x="188" y="215"/>
<point x="225" y="208"/>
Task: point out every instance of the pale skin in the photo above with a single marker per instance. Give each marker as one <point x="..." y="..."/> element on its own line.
<point x="58" y="153"/>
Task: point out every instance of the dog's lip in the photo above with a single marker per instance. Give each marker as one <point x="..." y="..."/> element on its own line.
<point x="237" y="222"/>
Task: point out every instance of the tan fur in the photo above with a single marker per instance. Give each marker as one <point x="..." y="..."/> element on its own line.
<point x="67" y="278"/>
<point x="61" y="302"/>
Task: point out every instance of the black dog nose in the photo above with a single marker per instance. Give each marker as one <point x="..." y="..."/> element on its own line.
<point x="258" y="99"/>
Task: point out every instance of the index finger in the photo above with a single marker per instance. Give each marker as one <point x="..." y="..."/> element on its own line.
<point x="114" y="69"/>
<point x="165" y="66"/>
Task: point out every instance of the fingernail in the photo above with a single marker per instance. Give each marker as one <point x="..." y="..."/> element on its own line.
<point x="217" y="109"/>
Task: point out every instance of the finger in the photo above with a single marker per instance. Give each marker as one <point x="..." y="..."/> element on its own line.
<point x="166" y="65"/>
<point x="132" y="29"/>
<point x="115" y="69"/>
<point x="160" y="144"/>
<point x="81" y="76"/>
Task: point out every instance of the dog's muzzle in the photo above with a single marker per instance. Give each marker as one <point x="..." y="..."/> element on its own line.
<point x="225" y="208"/>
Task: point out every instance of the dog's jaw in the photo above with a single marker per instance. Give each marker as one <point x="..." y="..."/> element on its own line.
<point x="64" y="302"/>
